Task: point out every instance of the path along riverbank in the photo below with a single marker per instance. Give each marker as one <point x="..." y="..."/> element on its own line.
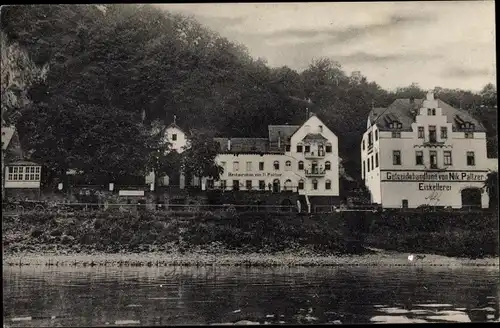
<point x="378" y="258"/>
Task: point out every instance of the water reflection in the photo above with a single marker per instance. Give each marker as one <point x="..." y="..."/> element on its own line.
<point x="37" y="296"/>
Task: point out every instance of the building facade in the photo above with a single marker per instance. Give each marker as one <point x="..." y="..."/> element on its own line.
<point x="294" y="158"/>
<point x="21" y="178"/>
<point x="420" y="152"/>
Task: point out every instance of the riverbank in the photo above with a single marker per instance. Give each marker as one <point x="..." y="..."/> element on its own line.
<point x="254" y="238"/>
<point x="161" y="259"/>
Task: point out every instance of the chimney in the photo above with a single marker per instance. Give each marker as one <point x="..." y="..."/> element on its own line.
<point x="229" y="144"/>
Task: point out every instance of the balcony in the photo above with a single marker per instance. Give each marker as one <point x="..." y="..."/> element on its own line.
<point x="314" y="154"/>
<point x="315" y="173"/>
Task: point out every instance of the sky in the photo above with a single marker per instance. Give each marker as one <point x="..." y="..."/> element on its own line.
<point x="450" y="44"/>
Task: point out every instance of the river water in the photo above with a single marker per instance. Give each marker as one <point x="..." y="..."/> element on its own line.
<point x="48" y="296"/>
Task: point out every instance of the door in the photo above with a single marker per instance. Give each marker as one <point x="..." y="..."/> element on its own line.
<point x="276" y="185"/>
<point x="314" y="167"/>
<point x="404" y="203"/>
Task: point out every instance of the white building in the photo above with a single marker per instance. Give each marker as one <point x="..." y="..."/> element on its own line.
<point x="424" y="152"/>
<point x="302" y="159"/>
<point x="178" y="141"/>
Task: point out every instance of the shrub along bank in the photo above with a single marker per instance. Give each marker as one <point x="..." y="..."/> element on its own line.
<point x="452" y="234"/>
<point x="460" y="234"/>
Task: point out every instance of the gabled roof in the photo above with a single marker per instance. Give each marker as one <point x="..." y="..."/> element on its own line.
<point x="314" y="137"/>
<point x="285" y="131"/>
<point x="173" y="125"/>
<point x="404" y="111"/>
<point x="7" y="134"/>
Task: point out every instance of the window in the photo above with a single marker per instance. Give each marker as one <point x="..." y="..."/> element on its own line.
<point x="276" y="165"/>
<point x="236" y="166"/>
<point x="321" y="128"/>
<point x="433" y="158"/>
<point x="363" y="144"/>
<point x="288" y="166"/>
<point x="370" y="139"/>
<point x="429" y="111"/>
<point x="261" y="166"/>
<point x="368" y="164"/>
<point x="301" y="184"/>
<point x="396" y="134"/>
<point x="372" y="162"/>
<point x="376" y="160"/>
<point x="20" y="173"/>
<point x="470" y="158"/>
<point x="262" y="185"/>
<point x="447" y="157"/>
<point x="299" y="148"/>
<point x="315" y="184"/>
<point x="328" y="166"/>
<point x="421" y="132"/>
<point x="236" y="184"/>
<point x="433" y="112"/>
<point x="249" y="166"/>
<point x="376" y="135"/>
<point x="364" y="169"/>
<point x="301" y="165"/>
<point x="249" y="184"/>
<point x="328" y="185"/>
<point x="174" y="137"/>
<point x="396" y="157"/>
<point x="419" y="157"/>
<point x="328" y="148"/>
<point x="223" y="184"/>
<point x="469" y="135"/>
<point x="444" y="132"/>
<point x="287" y="147"/>
<point x="432" y="133"/>
<point x="307" y="148"/>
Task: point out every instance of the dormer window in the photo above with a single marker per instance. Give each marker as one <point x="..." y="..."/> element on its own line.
<point x="431" y="111"/>
<point x="174" y="137"/>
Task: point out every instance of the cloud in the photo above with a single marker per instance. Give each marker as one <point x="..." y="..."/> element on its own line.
<point x="465" y="72"/>
<point x="339" y="34"/>
<point x="364" y="57"/>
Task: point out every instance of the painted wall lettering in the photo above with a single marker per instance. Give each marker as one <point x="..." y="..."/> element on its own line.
<point x="426" y="176"/>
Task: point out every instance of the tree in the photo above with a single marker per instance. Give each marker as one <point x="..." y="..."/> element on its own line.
<point x="198" y="158"/>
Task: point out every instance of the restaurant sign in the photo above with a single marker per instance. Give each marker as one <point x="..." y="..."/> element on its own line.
<point x="257" y="174"/>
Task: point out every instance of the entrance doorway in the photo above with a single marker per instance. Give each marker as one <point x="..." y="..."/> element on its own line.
<point x="404" y="203"/>
<point x="288" y="185"/>
<point x="276" y="185"/>
<point x="471" y="198"/>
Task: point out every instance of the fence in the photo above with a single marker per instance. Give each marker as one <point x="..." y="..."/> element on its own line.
<point x="19" y="208"/>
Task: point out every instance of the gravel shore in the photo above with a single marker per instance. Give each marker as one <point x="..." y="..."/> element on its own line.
<point x="380" y="258"/>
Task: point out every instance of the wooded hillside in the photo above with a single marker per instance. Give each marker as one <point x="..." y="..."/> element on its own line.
<point x="108" y="63"/>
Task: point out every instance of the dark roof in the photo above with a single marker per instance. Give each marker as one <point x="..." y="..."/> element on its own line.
<point x="314" y="137"/>
<point x="244" y="145"/>
<point x="285" y="131"/>
<point x="404" y="112"/>
<point x="23" y="163"/>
